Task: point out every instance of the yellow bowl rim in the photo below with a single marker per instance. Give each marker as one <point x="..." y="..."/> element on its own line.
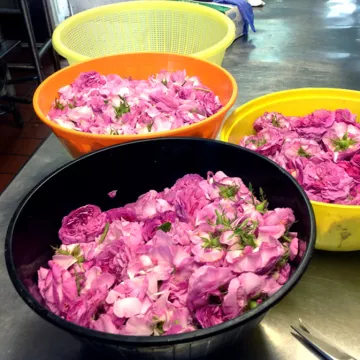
<point x="222" y="45"/>
<point x="224" y="133"/>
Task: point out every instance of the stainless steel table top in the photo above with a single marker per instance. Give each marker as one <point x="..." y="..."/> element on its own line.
<point x="299" y="43"/>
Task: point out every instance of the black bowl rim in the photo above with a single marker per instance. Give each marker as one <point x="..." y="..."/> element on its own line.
<point x="143" y="341"/>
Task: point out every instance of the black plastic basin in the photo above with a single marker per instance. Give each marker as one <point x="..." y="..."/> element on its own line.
<point x="133" y="169"/>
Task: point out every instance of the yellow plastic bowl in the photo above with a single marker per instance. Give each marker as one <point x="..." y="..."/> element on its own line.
<point x="338" y="226"/>
<point x="145" y="26"/>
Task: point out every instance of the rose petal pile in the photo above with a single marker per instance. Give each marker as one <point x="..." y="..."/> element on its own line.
<point x="101" y="104"/>
<point x="321" y="150"/>
<point x="190" y="257"/>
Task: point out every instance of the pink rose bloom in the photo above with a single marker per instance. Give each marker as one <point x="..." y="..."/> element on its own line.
<point x="259" y="262"/>
<point x="284" y="274"/>
<point x="313" y="126"/>
<point x="351" y="169"/>
<point x="189" y="180"/>
<point x="151" y="225"/>
<point x="149" y="205"/>
<point x="356" y="160"/>
<point x="57" y="287"/>
<point x="205" y="282"/>
<point x="326" y="181"/>
<point x="267" y="142"/>
<point x="82" y="225"/>
<point x="284" y="216"/>
<point x="127" y="214"/>
<point x="188" y="200"/>
<point x="272" y="120"/>
<point x="342" y="140"/>
<point x="207" y="255"/>
<point x="354" y="198"/>
<point x="114" y="258"/>
<point x="240" y="291"/>
<point x="294" y="248"/>
<point x="271" y="286"/>
<point x="88" y="80"/>
<point x="86" y="306"/>
<point x="189" y="257"/>
<point x="220" y="186"/>
<point x="105" y="324"/>
<point x="300" y="147"/>
<point x="344" y="115"/>
<point x="209" y="315"/>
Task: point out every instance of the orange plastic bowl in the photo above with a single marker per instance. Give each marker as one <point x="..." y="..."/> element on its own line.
<point x="138" y="66"/>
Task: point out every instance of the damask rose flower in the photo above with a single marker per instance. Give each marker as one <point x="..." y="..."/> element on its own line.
<point x="192" y="256"/>
<point x="272" y="120"/>
<point x="89" y="80"/>
<point x="57" y="287"/>
<point x="241" y="290"/>
<point x="161" y="222"/>
<point x="345" y="116"/>
<point x="82" y="225"/>
<point x="300" y="147"/>
<point x="314" y="142"/>
<point x="342" y="140"/>
<point x="351" y="169"/>
<point x="326" y="181"/>
<point x="313" y="126"/>
<point x="267" y="142"/>
<point x="127" y="214"/>
<point x="96" y="103"/>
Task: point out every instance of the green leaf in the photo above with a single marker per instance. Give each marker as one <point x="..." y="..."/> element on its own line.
<point x="123" y="108"/>
<point x="250" y="187"/>
<point x="164" y="81"/>
<point x="149" y="126"/>
<point x="228" y="192"/>
<point x="60" y="251"/>
<point x="262" y="194"/>
<point x="114" y="132"/>
<point x="76" y="251"/>
<point x="211" y="242"/>
<point x="78" y="279"/>
<point x="245" y="233"/>
<point x="284" y="237"/>
<point x="342" y="144"/>
<point x="73" y="104"/>
<point x="262" y="207"/>
<point x="221" y="219"/>
<point x="303" y="153"/>
<point x="103" y="235"/>
<point x="257" y="142"/>
<point x="200" y="89"/>
<point x="58" y="104"/>
<point x="274" y="120"/>
<point x="165" y="227"/>
<point x="106" y="102"/>
<point x="158" y="325"/>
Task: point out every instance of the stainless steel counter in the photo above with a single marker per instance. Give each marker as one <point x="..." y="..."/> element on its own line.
<point x="299" y="43"/>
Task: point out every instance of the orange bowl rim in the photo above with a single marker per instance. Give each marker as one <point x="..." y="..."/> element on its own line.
<point x="222" y="112"/>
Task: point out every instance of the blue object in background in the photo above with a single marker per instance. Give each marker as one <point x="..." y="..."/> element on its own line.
<point x="245" y="10"/>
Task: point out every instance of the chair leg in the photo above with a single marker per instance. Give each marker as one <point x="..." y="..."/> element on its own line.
<point x="19" y="121"/>
<point x="54" y="55"/>
<point x="12" y="108"/>
<point x="24" y="6"/>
